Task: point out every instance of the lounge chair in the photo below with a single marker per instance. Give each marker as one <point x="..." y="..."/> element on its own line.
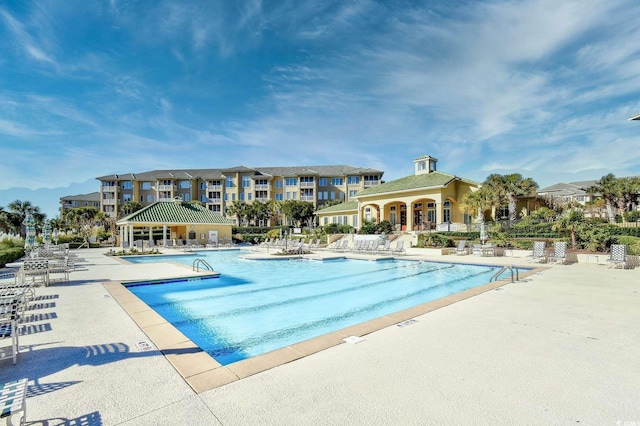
<point x="476" y="249"/>
<point x="9" y="318"/>
<point x="461" y="249"/>
<point x="559" y="252"/>
<point x="399" y="248"/>
<point x="538" y="254"/>
<point x="618" y="256"/>
<point x="386" y="248"/>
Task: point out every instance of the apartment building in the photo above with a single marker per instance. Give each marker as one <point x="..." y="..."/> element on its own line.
<point x="80" y="200"/>
<point x="219" y="188"/>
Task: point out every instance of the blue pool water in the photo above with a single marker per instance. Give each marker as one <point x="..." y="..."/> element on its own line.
<point x="256" y="306"/>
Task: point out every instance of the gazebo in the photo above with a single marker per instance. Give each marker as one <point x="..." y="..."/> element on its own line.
<point x="176" y="220"/>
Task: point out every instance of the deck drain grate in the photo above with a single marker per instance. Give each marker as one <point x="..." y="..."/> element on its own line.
<point x="353" y="339"/>
<point x="144" y="346"/>
<point x="407" y="322"/>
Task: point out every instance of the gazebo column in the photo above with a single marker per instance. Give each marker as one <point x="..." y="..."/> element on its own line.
<point x="164" y="235"/>
<point x="131" y="236"/>
<point x="150" y="233"/>
<point x="121" y="230"/>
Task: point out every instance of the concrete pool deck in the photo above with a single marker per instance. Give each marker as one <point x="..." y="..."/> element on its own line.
<point x="560" y="347"/>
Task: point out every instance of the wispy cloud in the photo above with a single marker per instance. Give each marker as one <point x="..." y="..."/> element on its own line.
<point x="23" y="39"/>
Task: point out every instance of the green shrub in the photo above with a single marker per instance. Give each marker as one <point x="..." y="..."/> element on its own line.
<point x="434" y="240"/>
<point x="632" y="216"/>
<point x="632" y="243"/>
<point x="8" y="255"/>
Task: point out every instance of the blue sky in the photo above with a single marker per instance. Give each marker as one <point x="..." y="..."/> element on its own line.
<point x="539" y="87"/>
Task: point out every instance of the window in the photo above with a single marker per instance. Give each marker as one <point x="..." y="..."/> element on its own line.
<point x="325" y="220"/>
<point x="291" y="181"/>
<point x="127" y="184"/>
<point x="246" y="182"/>
<point x="446" y="212"/>
<point x="233" y="197"/>
<point x="306" y="179"/>
<point x="249" y="196"/>
<point x="150" y="198"/>
<point x="126" y="197"/>
<point x="203" y="185"/>
<point x="226" y="197"/>
<point x="216" y="208"/>
<point x="352" y="192"/>
<point x="278" y="197"/>
<point x="292" y="195"/>
<point x="333" y="195"/>
<point x="354" y="220"/>
<point x="322" y="181"/>
<point x="145" y="186"/>
<point x="353" y="180"/>
<point x="203" y="198"/>
<point x="278" y="183"/>
<point x="422" y="165"/>
<point x="229" y="182"/>
<point x="186" y="197"/>
<point x="185" y="184"/>
<point x="367" y="214"/>
<point x="337" y="181"/>
<point x="242" y="196"/>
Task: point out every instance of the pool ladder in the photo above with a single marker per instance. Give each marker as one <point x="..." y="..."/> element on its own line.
<point x="511" y="268"/>
<point x="199" y="261"/>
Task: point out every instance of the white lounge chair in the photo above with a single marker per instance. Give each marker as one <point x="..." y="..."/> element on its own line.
<point x="461" y="249"/>
<point x="399" y="248"/>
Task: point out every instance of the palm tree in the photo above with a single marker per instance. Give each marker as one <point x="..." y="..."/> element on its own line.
<point x="130" y="207"/>
<point x="240" y="210"/>
<point x="509" y="187"/>
<point x="609" y="189"/>
<point x="571" y="221"/>
<point x="18" y="212"/>
<point x="479" y="201"/>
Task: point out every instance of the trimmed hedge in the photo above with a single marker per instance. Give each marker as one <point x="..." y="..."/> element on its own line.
<point x="10" y="255"/>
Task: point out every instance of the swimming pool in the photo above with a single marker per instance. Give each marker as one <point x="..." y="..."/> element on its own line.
<point x="257" y="306"/>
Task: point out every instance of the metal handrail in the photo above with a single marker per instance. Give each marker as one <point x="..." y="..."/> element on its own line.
<point x="507" y="268"/>
<point x="199" y="261"/>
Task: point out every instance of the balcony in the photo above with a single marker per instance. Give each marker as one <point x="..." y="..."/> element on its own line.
<point x="165" y="187"/>
<point x="307" y="184"/>
<point x="108" y="201"/>
<point x="369" y="183"/>
<point x="261" y="187"/>
<point x="217" y="187"/>
<point x="165" y="199"/>
<point x="262" y="199"/>
<point x="307" y="198"/>
<point x="109" y="188"/>
<point x="214" y="201"/>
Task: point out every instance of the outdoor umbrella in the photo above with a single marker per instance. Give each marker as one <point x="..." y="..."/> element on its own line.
<point x="483" y="233"/>
<point x="46" y="239"/>
<point x="30" y="224"/>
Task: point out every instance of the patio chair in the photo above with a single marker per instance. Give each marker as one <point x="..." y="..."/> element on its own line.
<point x="618" y="256"/>
<point x="9" y="317"/>
<point x="538" y="254"/>
<point x="399" y="248"/>
<point x="461" y="249"/>
<point x="476" y="249"/>
<point x="13" y="400"/>
<point x="386" y="248"/>
<point x="559" y="252"/>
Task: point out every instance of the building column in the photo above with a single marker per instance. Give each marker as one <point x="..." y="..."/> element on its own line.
<point x="164" y="235"/>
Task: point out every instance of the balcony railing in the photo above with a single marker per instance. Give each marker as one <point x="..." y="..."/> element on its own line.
<point x="109" y="188"/>
<point x="368" y="183"/>
<point x="165" y="199"/>
<point x="108" y="201"/>
<point x="261" y="187"/>
<point x="262" y="199"/>
<point x="307" y="184"/>
<point x="214" y="201"/>
<point x="165" y="187"/>
<point x="217" y="187"/>
<point x="307" y="198"/>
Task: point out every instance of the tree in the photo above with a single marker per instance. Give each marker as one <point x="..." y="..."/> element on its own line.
<point x="509" y="187"/>
<point x="83" y="220"/>
<point x="571" y="221"/>
<point x="130" y="207"/>
<point x="298" y="212"/>
<point x="479" y="201"/>
<point x="240" y="210"/>
<point x="609" y="189"/>
<point x="17" y="213"/>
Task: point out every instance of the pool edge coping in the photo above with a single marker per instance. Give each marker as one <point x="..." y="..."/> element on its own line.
<point x="203" y="373"/>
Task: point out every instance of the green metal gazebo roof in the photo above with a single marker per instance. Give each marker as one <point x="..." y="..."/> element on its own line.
<point x="175" y="213"/>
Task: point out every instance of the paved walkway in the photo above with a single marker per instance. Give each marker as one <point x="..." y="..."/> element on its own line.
<point x="563" y="347"/>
